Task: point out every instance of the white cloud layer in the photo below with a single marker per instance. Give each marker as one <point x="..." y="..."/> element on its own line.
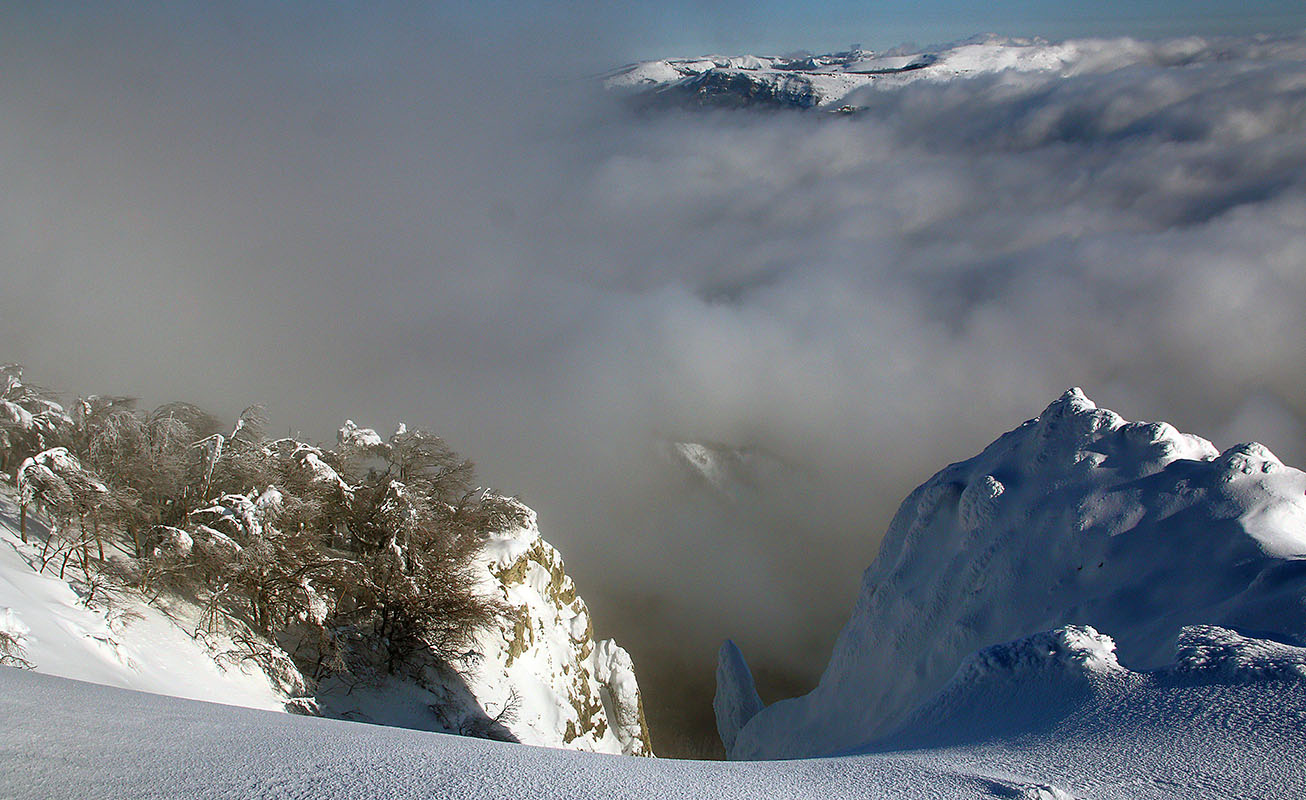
<point x="362" y="223"/>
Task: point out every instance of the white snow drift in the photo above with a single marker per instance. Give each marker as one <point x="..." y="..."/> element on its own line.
<point x="1051" y="717"/>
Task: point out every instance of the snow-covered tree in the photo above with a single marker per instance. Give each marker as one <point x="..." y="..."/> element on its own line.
<point x="30" y="419"/>
<point x="56" y="480"/>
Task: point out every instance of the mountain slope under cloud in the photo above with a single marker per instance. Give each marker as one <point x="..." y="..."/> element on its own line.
<point x="837" y="80"/>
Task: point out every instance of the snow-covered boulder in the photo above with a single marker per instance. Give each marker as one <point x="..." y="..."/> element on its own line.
<point x="1076" y="518"/>
<point x="364" y="440"/>
<point x="167" y="542"/>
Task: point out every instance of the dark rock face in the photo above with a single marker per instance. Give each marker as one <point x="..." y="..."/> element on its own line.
<point x="720" y="88"/>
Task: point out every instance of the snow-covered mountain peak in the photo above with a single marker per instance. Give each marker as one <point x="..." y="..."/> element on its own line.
<point x="1078" y="517"/>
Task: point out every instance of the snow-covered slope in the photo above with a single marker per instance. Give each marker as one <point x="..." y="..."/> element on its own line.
<point x="1075" y="518"/>
<point x="730" y="473"/>
<point x="1020" y="722"/>
<point x="538" y="678"/>
<point x="113" y="639"/>
<point x="833" y="81"/>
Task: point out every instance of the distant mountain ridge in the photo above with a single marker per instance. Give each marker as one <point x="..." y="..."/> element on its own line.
<point x="835" y="81"/>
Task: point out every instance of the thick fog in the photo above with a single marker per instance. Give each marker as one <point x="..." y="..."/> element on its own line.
<point x="344" y="220"/>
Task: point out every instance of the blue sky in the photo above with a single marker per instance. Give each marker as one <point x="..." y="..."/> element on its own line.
<point x="682" y="28"/>
<point x="336" y="34"/>
<point x="773" y="25"/>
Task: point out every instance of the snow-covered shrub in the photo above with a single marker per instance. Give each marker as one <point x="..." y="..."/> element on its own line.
<point x="359" y="562"/>
<point x="12" y="635"/>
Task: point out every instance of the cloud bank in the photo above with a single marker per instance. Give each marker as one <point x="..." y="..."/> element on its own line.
<point x="392" y="221"/>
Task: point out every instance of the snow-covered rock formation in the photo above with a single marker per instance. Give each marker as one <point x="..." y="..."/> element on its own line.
<point x="736" y="700"/>
<point x="567" y="689"/>
<point x="538" y="677"/>
<point x="1075" y="518"/>
<point x="729" y="473"/>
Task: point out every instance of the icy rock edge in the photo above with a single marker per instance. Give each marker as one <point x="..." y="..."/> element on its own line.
<point x="736" y="700"/>
<point x="563" y="687"/>
<point x="1078" y="517"/>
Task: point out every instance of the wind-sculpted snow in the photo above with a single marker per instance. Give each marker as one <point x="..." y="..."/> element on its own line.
<point x="1075" y="518"/>
<point x="1048" y="727"/>
<point x="736" y="700"/>
<point x="1072" y="649"/>
<point x="1231" y="655"/>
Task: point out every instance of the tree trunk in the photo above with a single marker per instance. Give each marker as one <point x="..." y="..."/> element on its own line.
<point x="49" y="537"/>
<point x="81" y="530"/>
<point x="22" y="521"/>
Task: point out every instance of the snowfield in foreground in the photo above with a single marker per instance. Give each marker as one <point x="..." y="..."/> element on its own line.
<point x="1052" y="717"/>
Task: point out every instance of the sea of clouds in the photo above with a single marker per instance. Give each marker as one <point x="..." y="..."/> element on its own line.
<point x="384" y="224"/>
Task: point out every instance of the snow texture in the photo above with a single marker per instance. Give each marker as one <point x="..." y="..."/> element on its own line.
<point x="1075" y="518"/>
<point x="1061" y="730"/>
